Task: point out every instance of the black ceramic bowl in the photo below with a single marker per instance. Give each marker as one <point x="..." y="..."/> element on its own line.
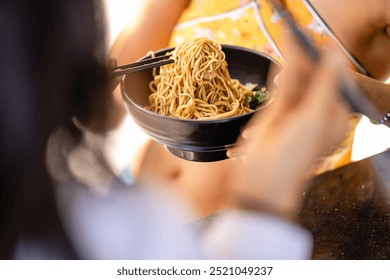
<point x="196" y="140"/>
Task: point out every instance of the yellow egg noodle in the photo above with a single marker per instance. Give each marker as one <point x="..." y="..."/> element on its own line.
<point x="198" y="84"/>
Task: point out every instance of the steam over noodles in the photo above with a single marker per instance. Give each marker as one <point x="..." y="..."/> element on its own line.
<point x="198" y="84"/>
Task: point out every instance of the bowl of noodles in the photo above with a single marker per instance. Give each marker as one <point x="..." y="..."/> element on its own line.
<point x="198" y="105"/>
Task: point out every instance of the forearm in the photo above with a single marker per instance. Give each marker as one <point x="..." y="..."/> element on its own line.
<point x="149" y="30"/>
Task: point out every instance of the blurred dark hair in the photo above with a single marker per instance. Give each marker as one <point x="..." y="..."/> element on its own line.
<point x="51" y="68"/>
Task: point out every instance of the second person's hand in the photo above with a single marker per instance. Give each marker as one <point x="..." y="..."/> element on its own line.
<point x="282" y="143"/>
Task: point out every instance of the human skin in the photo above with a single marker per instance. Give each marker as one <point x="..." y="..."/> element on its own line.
<point x="149" y="29"/>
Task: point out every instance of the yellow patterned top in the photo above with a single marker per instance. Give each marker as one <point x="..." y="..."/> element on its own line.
<point x="254" y="24"/>
<point x="247" y="23"/>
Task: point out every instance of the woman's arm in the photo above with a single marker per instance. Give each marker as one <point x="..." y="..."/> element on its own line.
<point x="149" y="30"/>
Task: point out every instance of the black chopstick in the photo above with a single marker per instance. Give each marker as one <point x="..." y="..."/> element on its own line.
<point x="351" y="93"/>
<point x="142" y="62"/>
<point x="141" y="65"/>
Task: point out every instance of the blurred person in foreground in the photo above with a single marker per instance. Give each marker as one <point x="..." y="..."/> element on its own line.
<point x="53" y="64"/>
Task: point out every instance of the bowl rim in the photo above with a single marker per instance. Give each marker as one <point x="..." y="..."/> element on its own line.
<point x="204" y="121"/>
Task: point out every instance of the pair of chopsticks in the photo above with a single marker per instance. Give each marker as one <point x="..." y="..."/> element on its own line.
<point x="351" y="93"/>
<point x="141" y="65"/>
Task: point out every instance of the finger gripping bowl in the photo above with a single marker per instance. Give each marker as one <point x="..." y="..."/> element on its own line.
<point x="196" y="140"/>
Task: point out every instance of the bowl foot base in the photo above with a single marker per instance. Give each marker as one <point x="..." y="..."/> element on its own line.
<point x="203" y="156"/>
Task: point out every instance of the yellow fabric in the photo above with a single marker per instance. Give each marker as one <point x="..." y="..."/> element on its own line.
<point x="234" y="22"/>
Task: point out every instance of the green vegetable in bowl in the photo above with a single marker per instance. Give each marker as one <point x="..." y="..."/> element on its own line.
<point x="259" y="96"/>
